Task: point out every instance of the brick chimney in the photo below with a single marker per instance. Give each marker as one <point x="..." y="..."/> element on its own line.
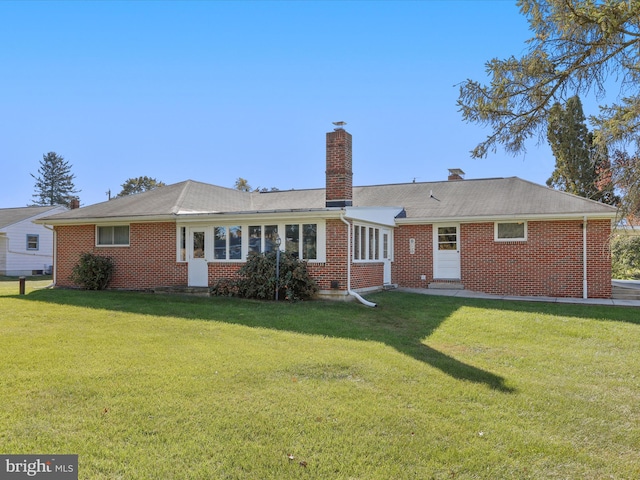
<point x="339" y="188"/>
<point x="455" y="174"/>
<point x="74" y="203"/>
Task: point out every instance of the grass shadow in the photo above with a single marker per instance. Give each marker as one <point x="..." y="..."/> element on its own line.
<point x="402" y="320"/>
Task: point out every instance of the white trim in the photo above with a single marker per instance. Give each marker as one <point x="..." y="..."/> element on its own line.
<point x="321" y="235"/>
<point x="111" y="245"/>
<point x="450" y="254"/>
<point x="503" y="218"/>
<point x="517" y="239"/>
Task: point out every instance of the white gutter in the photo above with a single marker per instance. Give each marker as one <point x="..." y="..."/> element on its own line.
<point x="585" y="292"/>
<point x="502" y="218"/>
<point x="349" y="291"/>
<point x="55" y="256"/>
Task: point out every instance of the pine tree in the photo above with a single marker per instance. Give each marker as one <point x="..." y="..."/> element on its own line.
<point x="54" y="183"/>
<point x="582" y="168"/>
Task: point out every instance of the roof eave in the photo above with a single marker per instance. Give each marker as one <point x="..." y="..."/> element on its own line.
<point x="106" y="220"/>
<point x="199" y="217"/>
<point x="497" y="218"/>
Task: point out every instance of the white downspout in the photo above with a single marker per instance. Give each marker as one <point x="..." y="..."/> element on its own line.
<point x="55" y="256"/>
<point x="585" y="292"/>
<point x="349" y="291"/>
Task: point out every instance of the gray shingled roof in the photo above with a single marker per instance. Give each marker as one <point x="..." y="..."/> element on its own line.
<point x="495" y="197"/>
<point x="9" y="216"/>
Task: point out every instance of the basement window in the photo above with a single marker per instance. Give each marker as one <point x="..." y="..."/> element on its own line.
<point x="510" y="231"/>
<point x="112" y="236"/>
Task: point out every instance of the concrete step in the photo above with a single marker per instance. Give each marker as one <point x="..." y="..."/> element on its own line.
<point x="621" y="293"/>
<point x="448" y="285"/>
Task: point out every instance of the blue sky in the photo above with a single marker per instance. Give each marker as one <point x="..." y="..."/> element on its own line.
<point x="213" y="91"/>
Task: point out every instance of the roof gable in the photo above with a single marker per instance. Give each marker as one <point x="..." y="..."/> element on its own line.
<point x="11" y="216"/>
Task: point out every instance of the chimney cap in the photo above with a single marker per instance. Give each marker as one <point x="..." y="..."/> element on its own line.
<point x="339" y="125"/>
<point x="456" y="171"/>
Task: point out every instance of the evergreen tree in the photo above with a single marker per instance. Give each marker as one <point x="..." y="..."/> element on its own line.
<point x="54" y="183"/>
<point x="578" y="46"/>
<point x="582" y="168"/>
<point x="138" y="185"/>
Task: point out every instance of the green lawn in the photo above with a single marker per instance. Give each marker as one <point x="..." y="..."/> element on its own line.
<point x="168" y="387"/>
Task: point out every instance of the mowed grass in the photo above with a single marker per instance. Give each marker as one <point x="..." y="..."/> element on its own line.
<point x="169" y="387"/>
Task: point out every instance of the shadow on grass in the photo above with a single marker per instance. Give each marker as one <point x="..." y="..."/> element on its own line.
<point x="402" y="320"/>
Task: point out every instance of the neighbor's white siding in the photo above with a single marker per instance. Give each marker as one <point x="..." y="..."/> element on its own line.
<point x="15" y="258"/>
<point x="3" y="253"/>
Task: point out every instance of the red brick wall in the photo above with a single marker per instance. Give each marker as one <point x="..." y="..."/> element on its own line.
<point x="149" y="261"/>
<point x="407" y="268"/>
<point x="549" y="263"/>
<point x="599" y="258"/>
<point x="335" y="267"/>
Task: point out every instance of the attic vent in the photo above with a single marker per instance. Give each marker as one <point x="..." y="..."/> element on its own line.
<point x="455" y="174"/>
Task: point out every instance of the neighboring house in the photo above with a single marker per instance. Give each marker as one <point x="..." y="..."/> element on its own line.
<point x="499" y="235"/>
<point x="26" y="248"/>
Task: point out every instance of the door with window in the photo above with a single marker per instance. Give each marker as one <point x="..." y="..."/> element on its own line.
<point x="197" y="256"/>
<point x="446" y="252"/>
<point x="387" y="256"/>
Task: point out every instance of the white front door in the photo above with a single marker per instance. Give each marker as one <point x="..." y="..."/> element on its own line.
<point x="387" y="248"/>
<point x="446" y="252"/>
<point x="197" y="250"/>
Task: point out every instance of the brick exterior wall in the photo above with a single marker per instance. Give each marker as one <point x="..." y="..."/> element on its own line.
<point x="335" y="267"/>
<point x="549" y="263"/>
<point x="149" y="261"/>
<point x="407" y="268"/>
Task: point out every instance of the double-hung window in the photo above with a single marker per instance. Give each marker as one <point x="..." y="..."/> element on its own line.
<point x="33" y="242"/>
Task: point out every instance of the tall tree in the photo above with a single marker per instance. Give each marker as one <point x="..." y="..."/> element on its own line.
<point x="54" y="183"/>
<point x="577" y="47"/>
<point x="581" y="167"/>
<point x="138" y="185"/>
<point x="626" y="176"/>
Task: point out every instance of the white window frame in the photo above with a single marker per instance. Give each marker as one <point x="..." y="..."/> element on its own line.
<point x="113" y="245"/>
<point x="37" y="239"/>
<point x="365" y="234"/>
<point x="516" y="239"/>
<point x="321" y="243"/>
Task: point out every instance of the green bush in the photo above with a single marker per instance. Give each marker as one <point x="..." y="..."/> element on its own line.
<point x="625" y="257"/>
<point x="92" y="272"/>
<point x="257" y="279"/>
<point x="225" y="287"/>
